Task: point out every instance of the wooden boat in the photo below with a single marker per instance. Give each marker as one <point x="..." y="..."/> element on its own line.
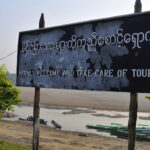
<point x="124" y="134"/>
<point x="120" y="131"/>
<point x="105" y="128"/>
<point x="116" y="126"/>
<point x="42" y="121"/>
<point x="56" y="124"/>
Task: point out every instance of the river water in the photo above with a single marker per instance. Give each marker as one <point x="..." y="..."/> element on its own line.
<point x="78" y="122"/>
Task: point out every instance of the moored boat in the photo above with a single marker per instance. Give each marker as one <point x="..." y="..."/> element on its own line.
<point x="56" y="124"/>
<point x="142" y="133"/>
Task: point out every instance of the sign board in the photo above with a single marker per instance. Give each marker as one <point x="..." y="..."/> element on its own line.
<point x="109" y="55"/>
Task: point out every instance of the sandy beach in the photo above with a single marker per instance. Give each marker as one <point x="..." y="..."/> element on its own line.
<point x="117" y="101"/>
<point x="21" y="131"/>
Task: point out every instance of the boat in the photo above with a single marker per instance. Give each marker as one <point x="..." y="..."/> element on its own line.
<point x="116" y="124"/>
<point x="124" y="135"/>
<point x="29" y="118"/>
<point x="56" y="124"/>
<point x="142" y="133"/>
<point x="105" y="127"/>
<point x="42" y="121"/>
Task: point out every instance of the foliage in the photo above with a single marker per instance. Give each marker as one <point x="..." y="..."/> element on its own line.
<point x="148" y="97"/>
<point x="9" y="146"/>
<point x="9" y="94"/>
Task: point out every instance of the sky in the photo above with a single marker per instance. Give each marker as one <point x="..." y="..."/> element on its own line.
<point x="23" y="15"/>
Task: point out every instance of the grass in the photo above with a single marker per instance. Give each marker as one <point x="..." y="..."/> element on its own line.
<point x="10" y="146"/>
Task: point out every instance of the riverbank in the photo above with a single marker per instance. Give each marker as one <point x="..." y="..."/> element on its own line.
<point x="20" y="132"/>
<point x="59" y="98"/>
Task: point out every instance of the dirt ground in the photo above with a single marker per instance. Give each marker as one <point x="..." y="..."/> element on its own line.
<point x="21" y="132"/>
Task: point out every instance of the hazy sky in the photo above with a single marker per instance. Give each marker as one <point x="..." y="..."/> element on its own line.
<point x="22" y="15"/>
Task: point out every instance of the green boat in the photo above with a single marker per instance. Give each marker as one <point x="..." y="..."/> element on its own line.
<point x="142" y="133"/>
<point x="115" y="126"/>
<point x="124" y="135"/>
<point x="105" y="127"/>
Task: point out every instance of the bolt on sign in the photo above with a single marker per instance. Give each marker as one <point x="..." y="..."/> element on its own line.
<point x="109" y="55"/>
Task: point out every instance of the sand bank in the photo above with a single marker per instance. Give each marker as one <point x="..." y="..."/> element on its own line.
<point x="117" y="101"/>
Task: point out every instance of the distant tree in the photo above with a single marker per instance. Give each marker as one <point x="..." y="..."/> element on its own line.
<point x="148" y="97"/>
<point x="9" y="94"/>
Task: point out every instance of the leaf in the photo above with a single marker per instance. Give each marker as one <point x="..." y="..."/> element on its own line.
<point x="9" y="94"/>
<point x="148" y="97"/>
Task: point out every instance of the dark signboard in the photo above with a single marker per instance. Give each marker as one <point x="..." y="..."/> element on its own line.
<point x="109" y="54"/>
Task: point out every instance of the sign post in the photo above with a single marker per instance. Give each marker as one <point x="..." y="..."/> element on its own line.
<point x="109" y="54"/>
<point x="132" y="120"/>
<point x="36" y="111"/>
<point x="133" y="107"/>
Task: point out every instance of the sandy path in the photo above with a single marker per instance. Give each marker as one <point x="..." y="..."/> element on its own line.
<point x="21" y="132"/>
<point x="88" y="99"/>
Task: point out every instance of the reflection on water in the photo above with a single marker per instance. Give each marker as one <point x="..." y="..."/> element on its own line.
<point x="78" y="122"/>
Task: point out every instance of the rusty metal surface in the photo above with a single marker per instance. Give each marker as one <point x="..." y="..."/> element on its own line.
<point x="110" y="55"/>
